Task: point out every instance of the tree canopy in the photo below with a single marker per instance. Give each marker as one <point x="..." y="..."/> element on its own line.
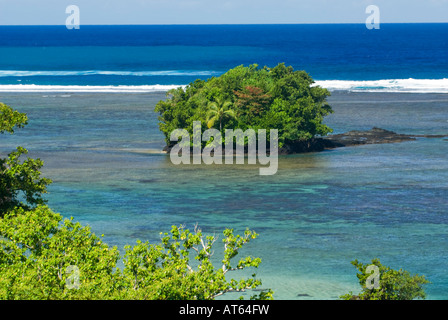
<point x="392" y="284"/>
<point x="256" y="98"/>
<point x="21" y="183"/>
<point x="43" y="256"/>
<point x="10" y="118"/>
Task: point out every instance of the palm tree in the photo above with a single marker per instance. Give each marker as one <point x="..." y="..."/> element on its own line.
<point x="219" y="110"/>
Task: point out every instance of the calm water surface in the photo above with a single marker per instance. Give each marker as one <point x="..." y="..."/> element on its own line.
<point x="319" y="212"/>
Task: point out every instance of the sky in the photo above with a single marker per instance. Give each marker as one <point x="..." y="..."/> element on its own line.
<point x="105" y="12"/>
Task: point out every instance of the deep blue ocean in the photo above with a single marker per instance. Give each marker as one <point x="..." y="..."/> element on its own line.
<point x="90" y="96"/>
<point x="177" y="55"/>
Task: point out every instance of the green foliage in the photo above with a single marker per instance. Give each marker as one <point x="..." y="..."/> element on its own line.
<point x="21" y="183"/>
<point x="393" y="284"/>
<point x="218" y="112"/>
<point x="261" y="98"/>
<point x="10" y="118"/>
<point x="37" y="248"/>
<point x="165" y="271"/>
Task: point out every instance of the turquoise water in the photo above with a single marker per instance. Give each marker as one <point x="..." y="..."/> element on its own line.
<point x="319" y="212"/>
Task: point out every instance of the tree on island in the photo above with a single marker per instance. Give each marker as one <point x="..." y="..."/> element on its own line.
<point x="43" y="256"/>
<point x="252" y="101"/>
<point x="262" y="98"/>
<point x="219" y="111"/>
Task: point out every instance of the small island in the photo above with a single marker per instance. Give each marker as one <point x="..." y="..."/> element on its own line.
<point x="264" y="98"/>
<point x="249" y="98"/>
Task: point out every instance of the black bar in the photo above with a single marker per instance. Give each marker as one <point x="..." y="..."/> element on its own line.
<point x="218" y="309"/>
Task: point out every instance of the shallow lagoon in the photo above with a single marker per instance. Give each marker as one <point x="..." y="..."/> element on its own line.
<point x="319" y="212"/>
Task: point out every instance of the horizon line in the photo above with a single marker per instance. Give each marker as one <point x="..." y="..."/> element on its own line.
<point x="215" y="24"/>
